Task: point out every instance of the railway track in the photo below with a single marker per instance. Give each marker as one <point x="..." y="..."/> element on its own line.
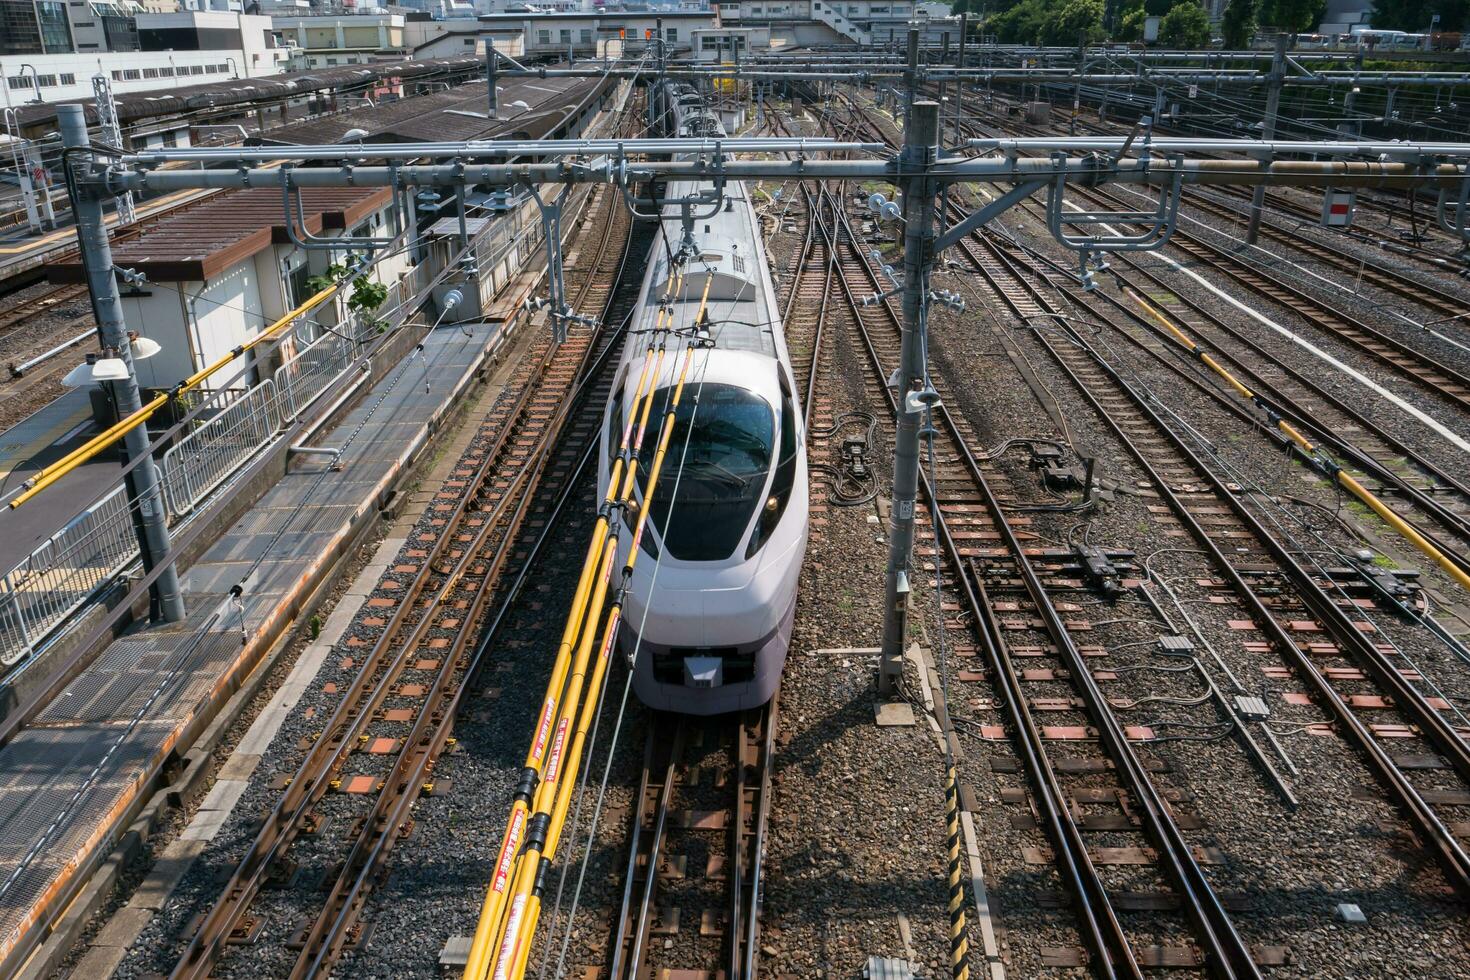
<point x="376" y="754"/>
<point x="1372" y="273"/>
<point x="1416" y="366"/>
<point x="1314" y="621"/>
<point x="702" y="802"/>
<point x="1411" y="363"/>
<point x="1325" y="639"/>
<point x="969" y="519"/>
<point x="1095" y="783"/>
<point x="16" y="315"/>
<point x="1437" y="501"/>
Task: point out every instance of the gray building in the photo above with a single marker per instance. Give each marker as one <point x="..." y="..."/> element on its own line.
<point x="35" y="27"/>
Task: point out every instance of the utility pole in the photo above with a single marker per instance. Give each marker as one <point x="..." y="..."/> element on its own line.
<point x="1077" y="92"/>
<point x="959" y="83"/>
<point x="1273" y="104"/>
<point x="492" y="71"/>
<point x="920" y="150"/>
<point x="911" y="78"/>
<point x="145" y="497"/>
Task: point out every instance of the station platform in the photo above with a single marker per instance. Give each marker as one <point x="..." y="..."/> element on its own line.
<point x="82" y="768"/>
<point x="37" y="441"/>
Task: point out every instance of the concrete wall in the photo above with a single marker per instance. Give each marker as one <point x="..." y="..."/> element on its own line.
<point x="138" y="71"/>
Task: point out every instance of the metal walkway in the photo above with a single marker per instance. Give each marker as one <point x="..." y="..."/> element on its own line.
<point x="69" y="780"/>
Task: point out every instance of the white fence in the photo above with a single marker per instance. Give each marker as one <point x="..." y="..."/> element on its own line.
<point x="63" y="573"/>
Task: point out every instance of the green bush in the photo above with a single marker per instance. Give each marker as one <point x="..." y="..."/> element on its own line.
<point x="1185" y="26"/>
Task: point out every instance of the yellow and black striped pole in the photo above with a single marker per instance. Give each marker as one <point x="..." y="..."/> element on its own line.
<point x="959" y="941"/>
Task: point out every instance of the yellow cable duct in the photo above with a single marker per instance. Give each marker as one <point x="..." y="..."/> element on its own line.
<point x="487" y="930"/>
<point x="561" y="804"/>
<point x="1393" y="520"/>
<point x="553" y="797"/>
<point x="48" y="475"/>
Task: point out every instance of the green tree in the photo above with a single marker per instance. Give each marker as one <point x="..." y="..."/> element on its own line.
<point x="1293" y="16"/>
<point x="1039" y="22"/>
<point x="1020" y="24"/>
<point x="1131" y="26"/>
<point x="1414" y="15"/>
<point x="1239" y="24"/>
<point x="1076" y="18"/>
<point x="1185" y="26"/>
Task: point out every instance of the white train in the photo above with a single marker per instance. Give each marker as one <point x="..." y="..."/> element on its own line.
<point x="709" y="611"/>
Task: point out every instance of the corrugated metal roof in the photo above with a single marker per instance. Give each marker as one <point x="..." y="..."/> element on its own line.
<point x="242" y="91"/>
<point x="459" y="114"/>
<point x="205" y="239"/>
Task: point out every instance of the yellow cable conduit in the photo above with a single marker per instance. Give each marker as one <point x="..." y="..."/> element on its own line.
<point x="1343" y="478"/>
<point x="512" y="903"/>
<point x="48" y="475"/>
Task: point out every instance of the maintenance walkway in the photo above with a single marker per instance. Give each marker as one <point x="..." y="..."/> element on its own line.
<point x="74" y="776"/>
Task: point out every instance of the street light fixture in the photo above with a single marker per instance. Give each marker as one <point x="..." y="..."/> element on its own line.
<point x="108" y="365"/>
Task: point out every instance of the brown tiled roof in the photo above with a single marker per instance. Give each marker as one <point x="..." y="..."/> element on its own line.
<point x="203" y="240"/>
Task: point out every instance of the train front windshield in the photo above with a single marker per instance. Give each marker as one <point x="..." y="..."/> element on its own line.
<point x="715" y="471"/>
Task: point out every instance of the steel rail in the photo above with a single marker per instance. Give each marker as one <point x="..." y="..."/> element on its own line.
<point x="1447" y="848"/>
<point x="816" y="224"/>
<point x="1340" y="324"/>
<point x="1227" y="953"/>
<point x="1287" y="407"/>
<point x="435" y="719"/>
<point x="1353" y="330"/>
<point x="755" y="852"/>
<point x="1453" y="261"/>
<point x="622" y="939"/>
<point x="1102" y="931"/>
<point x="633" y="923"/>
<point x="1272" y="400"/>
<point x="366" y="692"/>
<point x="353" y="712"/>
<point x="1370" y="271"/>
<point x="351" y="716"/>
<point x="668" y="735"/>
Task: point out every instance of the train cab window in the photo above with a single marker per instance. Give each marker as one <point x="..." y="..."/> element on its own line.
<point x="615" y="424"/>
<point x="714" y="476"/>
<point x="780" y="492"/>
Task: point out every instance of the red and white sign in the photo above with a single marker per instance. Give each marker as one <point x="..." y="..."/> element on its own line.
<point x="1337" y="208"/>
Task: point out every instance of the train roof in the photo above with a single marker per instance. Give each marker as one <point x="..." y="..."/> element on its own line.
<point x="738" y="311"/>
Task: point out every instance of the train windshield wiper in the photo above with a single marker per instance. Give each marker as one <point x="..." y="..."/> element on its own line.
<point x="731" y="479"/>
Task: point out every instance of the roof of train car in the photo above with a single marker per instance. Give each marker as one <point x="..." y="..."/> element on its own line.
<point x="740" y="323"/>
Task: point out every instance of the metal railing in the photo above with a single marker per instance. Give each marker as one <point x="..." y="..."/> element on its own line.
<point x="67" y="571"/>
<point x="306" y="375"/>
<point x="197" y="464"/>
<point x="63" y="573"/>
